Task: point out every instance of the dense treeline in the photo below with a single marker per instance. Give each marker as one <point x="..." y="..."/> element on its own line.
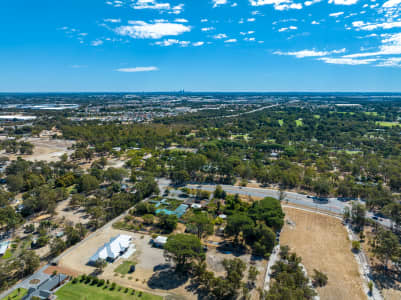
<point x="327" y="150"/>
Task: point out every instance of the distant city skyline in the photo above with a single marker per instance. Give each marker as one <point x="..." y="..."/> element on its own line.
<point x="200" y="46"/>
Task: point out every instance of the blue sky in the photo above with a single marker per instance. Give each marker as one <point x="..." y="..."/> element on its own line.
<point x="200" y="45"/>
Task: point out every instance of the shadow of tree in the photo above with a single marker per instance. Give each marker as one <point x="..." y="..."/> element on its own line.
<point x="167" y="280"/>
<point x="386" y="279"/>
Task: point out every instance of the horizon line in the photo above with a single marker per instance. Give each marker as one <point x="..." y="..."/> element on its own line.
<point x="203" y="91"/>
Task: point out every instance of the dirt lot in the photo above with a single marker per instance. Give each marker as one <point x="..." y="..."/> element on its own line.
<point x="323" y="244"/>
<point x="46" y="149"/>
<point x="72" y="215"/>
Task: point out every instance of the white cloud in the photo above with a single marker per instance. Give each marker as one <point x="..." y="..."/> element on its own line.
<point x="369" y="26"/>
<point x="207" y="29"/>
<point x="337" y="14"/>
<point x="391" y="45"/>
<point x="150" y="4"/>
<point x="97" y="43"/>
<point x="346" y="61"/>
<point x="288" y="28"/>
<point x="219" y="2"/>
<point x="278" y="4"/>
<point x="234" y="4"/>
<point x="343" y="2"/>
<point x="391" y="3"/>
<point x="251" y="20"/>
<point x="204" y="20"/>
<point x="137" y="69"/>
<point x="197" y="44"/>
<point x="170" y="42"/>
<point x="112" y="20"/>
<point x="220" y="36"/>
<point x="310" y="53"/>
<point x="154" y="4"/>
<point x="181" y="20"/>
<point x="315" y="23"/>
<point x="116" y="3"/>
<point x="231" y="41"/>
<point x="143" y="30"/>
<point x="390" y="62"/>
<point x="310" y="2"/>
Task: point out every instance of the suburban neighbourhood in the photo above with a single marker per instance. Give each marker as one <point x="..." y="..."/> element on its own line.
<point x="196" y="206"/>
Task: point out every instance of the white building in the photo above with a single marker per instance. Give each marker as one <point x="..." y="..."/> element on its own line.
<point x="113" y="249"/>
<point x="3" y="247"/>
<point x="160" y="241"/>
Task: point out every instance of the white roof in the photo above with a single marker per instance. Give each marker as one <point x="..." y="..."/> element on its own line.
<point x="161" y="240"/>
<point x="196" y="205"/>
<point x="3" y="247"/>
<point x="112" y="249"/>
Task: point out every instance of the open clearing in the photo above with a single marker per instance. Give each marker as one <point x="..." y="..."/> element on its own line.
<point x="64" y="212"/>
<point x="388" y="124"/>
<point x="323" y="244"/>
<point x="46" y="149"/>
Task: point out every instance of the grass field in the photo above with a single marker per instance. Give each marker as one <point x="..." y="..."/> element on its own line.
<point x="299" y="123"/>
<point x="371" y="113"/>
<point x="388" y="124"/>
<point x="125" y="267"/>
<point x="281" y="122"/>
<point x="80" y="291"/>
<point x="322" y="243"/>
<point x="316" y="116"/>
<point x="15" y="296"/>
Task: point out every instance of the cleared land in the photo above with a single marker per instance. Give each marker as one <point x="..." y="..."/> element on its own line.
<point x="64" y="212"/>
<point x="323" y="244"/>
<point x="89" y="292"/>
<point x="46" y="149"/>
<point x="388" y="124"/>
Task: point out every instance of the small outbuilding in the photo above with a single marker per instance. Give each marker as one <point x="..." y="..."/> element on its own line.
<point x="160" y="241"/>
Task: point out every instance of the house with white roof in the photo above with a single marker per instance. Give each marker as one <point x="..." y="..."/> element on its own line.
<point x="113" y="249"/>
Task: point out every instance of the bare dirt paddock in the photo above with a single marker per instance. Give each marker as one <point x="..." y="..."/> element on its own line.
<point x="323" y="244"/>
<point x="47" y="149"/>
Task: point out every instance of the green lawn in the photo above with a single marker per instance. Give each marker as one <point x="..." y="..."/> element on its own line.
<point x="281" y="122"/>
<point x="316" y="116"/>
<point x="371" y="113"/>
<point x="15" y="296"/>
<point x="299" y="123"/>
<point x="8" y="254"/>
<point x="388" y="124"/>
<point x="80" y="291"/>
<point x="125" y="267"/>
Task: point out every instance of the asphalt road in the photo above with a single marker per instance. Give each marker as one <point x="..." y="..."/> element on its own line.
<point x="333" y="205"/>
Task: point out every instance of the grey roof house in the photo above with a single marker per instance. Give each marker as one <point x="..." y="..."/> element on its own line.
<point x="44" y="290"/>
